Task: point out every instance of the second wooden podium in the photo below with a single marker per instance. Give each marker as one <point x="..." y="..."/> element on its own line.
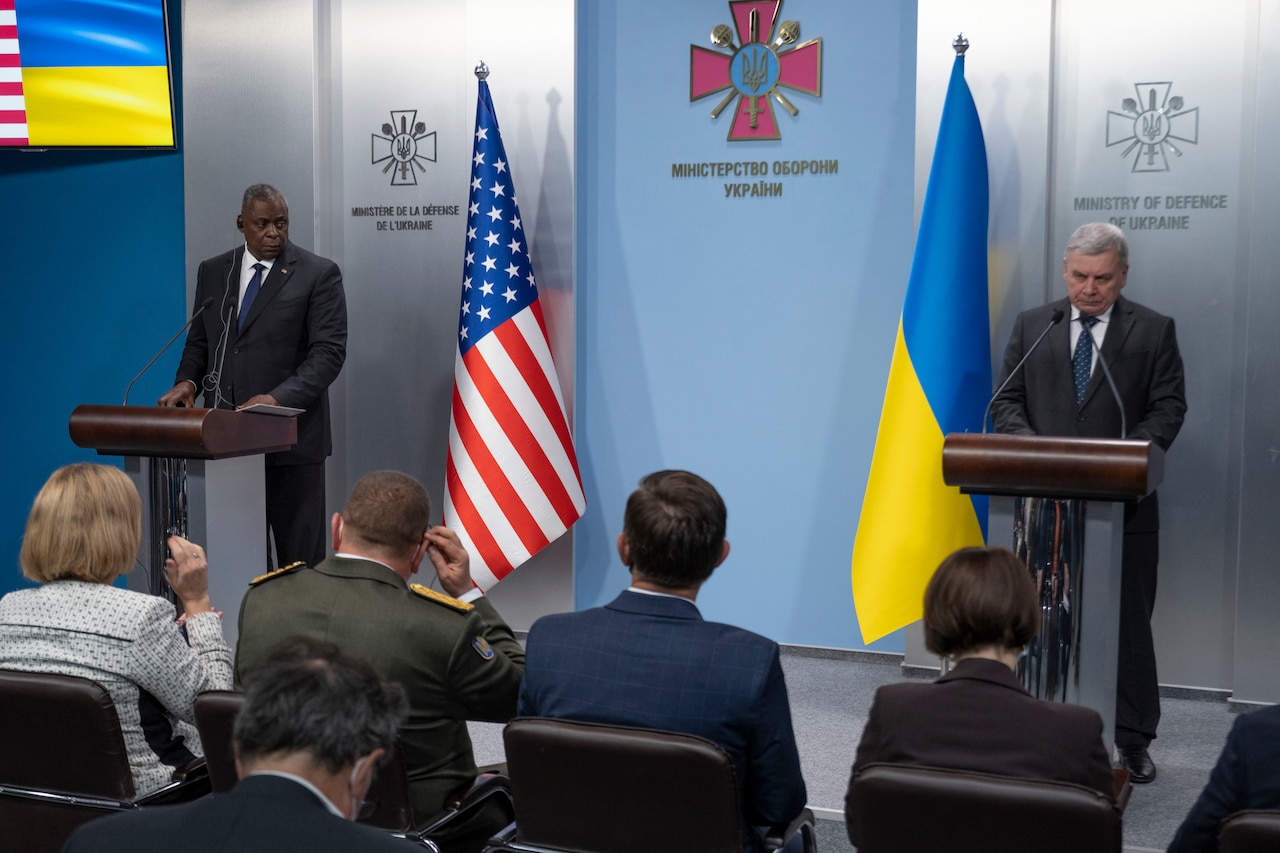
<point x="1063" y="514"/>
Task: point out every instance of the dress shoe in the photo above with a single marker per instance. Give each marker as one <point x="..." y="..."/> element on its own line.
<point x="1138" y="762"/>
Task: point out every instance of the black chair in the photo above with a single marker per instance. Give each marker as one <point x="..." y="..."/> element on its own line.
<point x="215" y="719"/>
<point x="1250" y="831"/>
<point x="898" y="808"/>
<point x="63" y="761"/>
<point x="616" y="789"/>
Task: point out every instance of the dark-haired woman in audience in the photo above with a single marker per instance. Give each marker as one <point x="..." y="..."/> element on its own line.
<point x="83" y="532"/>
<point x="980" y="610"/>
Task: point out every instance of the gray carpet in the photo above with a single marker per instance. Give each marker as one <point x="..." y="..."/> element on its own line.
<point x="831" y="693"/>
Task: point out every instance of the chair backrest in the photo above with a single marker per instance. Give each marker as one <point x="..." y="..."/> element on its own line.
<point x="216" y="713"/>
<point x="592" y="787"/>
<point x="896" y="808"/>
<point x="61" y="733"/>
<point x="1252" y="831"/>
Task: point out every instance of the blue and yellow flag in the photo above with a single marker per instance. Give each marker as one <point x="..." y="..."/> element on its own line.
<point x="84" y="73"/>
<point x="939" y="382"/>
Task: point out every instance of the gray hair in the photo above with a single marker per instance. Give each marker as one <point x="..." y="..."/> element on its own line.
<point x="1096" y="238"/>
<point x="261" y="192"/>
<point x="313" y="699"/>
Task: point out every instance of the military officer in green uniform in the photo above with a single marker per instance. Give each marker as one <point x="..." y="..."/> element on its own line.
<point x="454" y="655"/>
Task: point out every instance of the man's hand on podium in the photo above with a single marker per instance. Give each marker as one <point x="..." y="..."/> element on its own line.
<point x="182" y="394"/>
<point x="259" y="400"/>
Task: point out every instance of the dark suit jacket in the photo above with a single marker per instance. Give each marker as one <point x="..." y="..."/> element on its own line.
<point x="978" y="717"/>
<point x="261" y="814"/>
<point x="651" y="661"/>
<point x="292" y="346"/>
<point x="1142" y="351"/>
<point x="456" y="661"/>
<point x="1247" y="776"/>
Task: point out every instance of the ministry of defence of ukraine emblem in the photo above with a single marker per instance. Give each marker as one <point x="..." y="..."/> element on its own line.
<point x="405" y="147"/>
<point x="1149" y="124"/>
<point x="755" y="68"/>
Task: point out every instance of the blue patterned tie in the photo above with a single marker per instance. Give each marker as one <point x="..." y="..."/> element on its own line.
<point x="251" y="293"/>
<point x="1082" y="359"/>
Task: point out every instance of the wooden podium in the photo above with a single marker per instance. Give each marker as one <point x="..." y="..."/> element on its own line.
<point x="1059" y="504"/>
<point x="200" y="475"/>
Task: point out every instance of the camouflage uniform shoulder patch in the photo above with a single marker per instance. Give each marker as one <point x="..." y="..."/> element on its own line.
<point x="440" y="598"/>
<point x="281" y="572"/>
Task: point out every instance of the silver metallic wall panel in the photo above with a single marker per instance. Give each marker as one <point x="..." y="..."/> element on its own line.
<point x="248" y="69"/>
<point x="398" y="60"/>
<point x="296" y="92"/>
<point x="1257" y="630"/>
<point x="1120" y="159"/>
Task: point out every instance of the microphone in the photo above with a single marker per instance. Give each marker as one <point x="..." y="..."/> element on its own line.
<point x="1106" y="371"/>
<point x="1053" y="321"/>
<point x="194" y="314"/>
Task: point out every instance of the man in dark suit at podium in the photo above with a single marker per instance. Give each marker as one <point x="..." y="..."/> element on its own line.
<point x="648" y="659"/>
<point x="1061" y="390"/>
<point x="313" y="728"/>
<point x="275" y="333"/>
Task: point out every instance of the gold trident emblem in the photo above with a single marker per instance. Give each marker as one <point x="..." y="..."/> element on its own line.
<point x="755" y="69"/>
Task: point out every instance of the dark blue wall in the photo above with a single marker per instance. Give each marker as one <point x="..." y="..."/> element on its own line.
<point x="92" y="285"/>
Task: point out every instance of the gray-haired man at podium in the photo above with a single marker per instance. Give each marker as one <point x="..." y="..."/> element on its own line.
<point x="1061" y="390"/>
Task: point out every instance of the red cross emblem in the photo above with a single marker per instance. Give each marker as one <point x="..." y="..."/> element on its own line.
<point x="755" y="68"/>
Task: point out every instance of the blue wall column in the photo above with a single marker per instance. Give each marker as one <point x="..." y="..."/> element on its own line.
<point x="92" y="286"/>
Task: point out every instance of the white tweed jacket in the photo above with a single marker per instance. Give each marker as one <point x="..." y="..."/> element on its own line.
<point x="127" y="642"/>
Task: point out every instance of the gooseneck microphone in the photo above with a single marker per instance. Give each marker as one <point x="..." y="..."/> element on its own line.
<point x="194" y="314"/>
<point x="1106" y="371"/>
<point x="1053" y="321"/>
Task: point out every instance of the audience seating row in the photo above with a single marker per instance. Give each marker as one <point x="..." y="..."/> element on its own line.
<point x="577" y="786"/>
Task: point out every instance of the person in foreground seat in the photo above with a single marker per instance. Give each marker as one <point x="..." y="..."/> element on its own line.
<point x="313" y="728"/>
<point x="648" y="659"/>
<point x="455" y="657"/>
<point x="980" y="609"/>
<point x="1247" y="776"/>
<point x="82" y="534"/>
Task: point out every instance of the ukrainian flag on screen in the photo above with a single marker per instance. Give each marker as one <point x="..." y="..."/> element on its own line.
<point x="94" y="72"/>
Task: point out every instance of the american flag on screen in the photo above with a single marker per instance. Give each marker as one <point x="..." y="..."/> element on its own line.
<point x="512" y="483"/>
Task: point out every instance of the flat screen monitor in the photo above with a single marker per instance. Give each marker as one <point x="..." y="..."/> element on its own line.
<point x="85" y="74"/>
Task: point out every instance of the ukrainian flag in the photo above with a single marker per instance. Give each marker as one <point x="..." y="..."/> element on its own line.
<point x="95" y="72"/>
<point x="939" y="382"/>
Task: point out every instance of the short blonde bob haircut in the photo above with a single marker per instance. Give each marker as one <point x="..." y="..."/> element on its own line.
<point x="86" y="524"/>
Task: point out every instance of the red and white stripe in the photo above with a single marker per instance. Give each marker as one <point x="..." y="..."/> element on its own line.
<point x="13" y="105"/>
<point x="512" y="484"/>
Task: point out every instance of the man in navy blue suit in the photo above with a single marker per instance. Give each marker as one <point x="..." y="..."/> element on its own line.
<point x="648" y="659"/>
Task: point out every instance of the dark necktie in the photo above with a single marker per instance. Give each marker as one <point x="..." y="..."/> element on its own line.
<point x="1082" y="359"/>
<point x="251" y="293"/>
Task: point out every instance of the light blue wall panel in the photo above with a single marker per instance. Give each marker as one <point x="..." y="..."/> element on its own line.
<point x="749" y="339"/>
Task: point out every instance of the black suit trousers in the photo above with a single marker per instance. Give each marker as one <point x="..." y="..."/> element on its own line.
<point x="1137" y="688"/>
<point x="295" y="512"/>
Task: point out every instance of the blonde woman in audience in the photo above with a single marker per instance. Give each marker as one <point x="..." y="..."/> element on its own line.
<point x="82" y="534"/>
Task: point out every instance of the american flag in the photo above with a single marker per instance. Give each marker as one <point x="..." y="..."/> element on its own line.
<point x="13" y="106"/>
<point x="512" y="482"/>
